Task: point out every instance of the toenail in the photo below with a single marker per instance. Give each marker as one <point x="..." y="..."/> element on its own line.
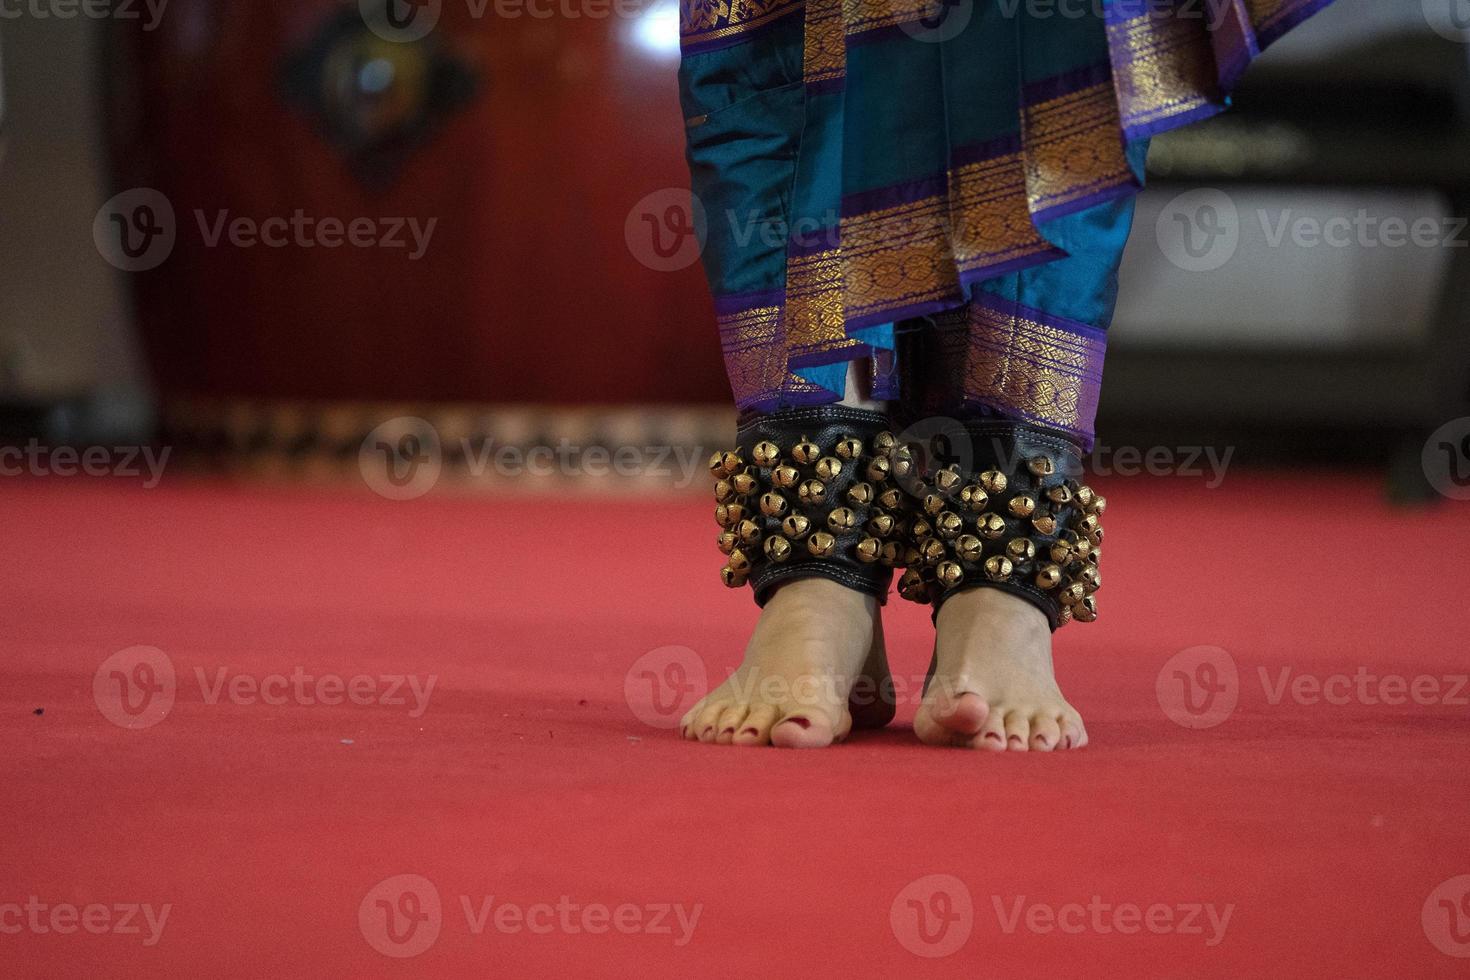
<point x="749" y="731"/>
<point x="805" y="723"/>
<point x="993" y="735"/>
<point x="1016" y="739"/>
<point x="728" y="731"/>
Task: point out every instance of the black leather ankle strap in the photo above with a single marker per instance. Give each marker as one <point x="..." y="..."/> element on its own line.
<point x="800" y="497"/>
<point x="1010" y="514"/>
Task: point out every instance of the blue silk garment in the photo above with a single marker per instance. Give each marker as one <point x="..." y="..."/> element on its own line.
<point x="865" y="163"/>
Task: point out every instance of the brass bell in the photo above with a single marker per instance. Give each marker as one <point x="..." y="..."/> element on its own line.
<point x="1045" y="524"/>
<point x="732" y="462"/>
<point x="1088" y="524"/>
<point x="765" y="453"/>
<point x="883" y="442"/>
<point x="749" y="531"/>
<point x="728" y="515"/>
<point x="998" y="568"/>
<point x="931" y="551"/>
<point x="920" y="529"/>
<point x="860" y="494"/>
<point x="1096" y="536"/>
<point x="911" y="586"/>
<point x="1061" y="552"/>
<point x="743" y="483"/>
<point x="1041" y="466"/>
<point x="975" y="498"/>
<point x="994" y="481"/>
<point x="1085" y="497"/>
<point x="1050" y="577"/>
<point x="892" y="554"/>
<point x="949" y="574"/>
<point x="934" y="503"/>
<point x="841" y="520"/>
<point x="969" y="547"/>
<point x="796" y="527"/>
<point x="1090" y="578"/>
<point x="805" y="451"/>
<point x="1082" y="548"/>
<point x="727" y="541"/>
<point x="812" y="491"/>
<point x="732" y="578"/>
<point x="738" y="562"/>
<point x="947" y="480"/>
<point x="1022" y="505"/>
<point x="1059" y="494"/>
<point x="724" y="491"/>
<point x="1020" y="549"/>
<point x="911" y="557"/>
<point x="1095" y="556"/>
<point x="869" y="550"/>
<point x="903" y="462"/>
<point x="785" y="476"/>
<point x="1086" y="610"/>
<point x="948" y="524"/>
<point x="717" y="464"/>
<point x="829" y="468"/>
<point x="821" y="544"/>
<point x="882" y="525"/>
<point x="778" y="549"/>
<point x="1064" y="616"/>
<point x="991" y="527"/>
<point x="890" y="499"/>
<point x="849" y="448"/>
<point x="879" y="469"/>
<point x="1099" y="504"/>
<point x="1071" y="594"/>
<point x="773" y="504"/>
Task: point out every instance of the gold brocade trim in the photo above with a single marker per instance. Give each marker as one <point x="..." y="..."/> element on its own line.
<point x="701" y="21"/>
<point x="816" y="321"/>
<point x="1050" y="374"/>
<point x="1264" y="14"/>
<point x="898" y="257"/>
<point x="989" y="215"/>
<point x="1162" y="67"/>
<point x="756" y="358"/>
<point x="867" y="15"/>
<point x="1074" y="148"/>
<point x="825" y="47"/>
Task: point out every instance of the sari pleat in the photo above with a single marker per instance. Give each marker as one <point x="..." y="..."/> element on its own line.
<point x="968" y="162"/>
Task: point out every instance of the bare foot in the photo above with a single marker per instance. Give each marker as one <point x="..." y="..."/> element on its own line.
<point x="814" y="668"/>
<point x="992" y="685"/>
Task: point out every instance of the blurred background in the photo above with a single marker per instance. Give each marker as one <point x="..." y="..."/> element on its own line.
<point x="256" y="233"/>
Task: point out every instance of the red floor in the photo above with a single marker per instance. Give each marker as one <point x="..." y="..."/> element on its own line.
<point x="1329" y="834"/>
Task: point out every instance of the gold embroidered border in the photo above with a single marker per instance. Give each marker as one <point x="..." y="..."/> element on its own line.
<point x="701" y="21"/>
<point x="1074" y="147"/>
<point x="990" y="220"/>
<point x="898" y="257"/>
<point x="1265" y="14"/>
<point x="868" y="15"/>
<point x="756" y="358"/>
<point x="825" y="47"/>
<point x="816" y="321"/>
<point x="1049" y="374"/>
<point x="1162" y="67"/>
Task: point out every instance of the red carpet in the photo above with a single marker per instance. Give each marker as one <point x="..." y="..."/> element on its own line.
<point x="1293" y="839"/>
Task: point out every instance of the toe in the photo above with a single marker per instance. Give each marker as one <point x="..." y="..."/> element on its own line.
<point x="686" y="724"/>
<point x="803" y="729"/>
<point x="706" y="723"/>
<point x="992" y="737"/>
<point x="756" y="729"/>
<point x="1046" y="734"/>
<point x="963" y="712"/>
<point x="730" y="720"/>
<point x="1018" y="731"/>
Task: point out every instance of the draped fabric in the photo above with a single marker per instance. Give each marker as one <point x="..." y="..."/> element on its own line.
<point x="863" y="163"/>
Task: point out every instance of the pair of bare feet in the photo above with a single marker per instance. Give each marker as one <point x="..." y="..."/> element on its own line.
<point x="816" y="668"/>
